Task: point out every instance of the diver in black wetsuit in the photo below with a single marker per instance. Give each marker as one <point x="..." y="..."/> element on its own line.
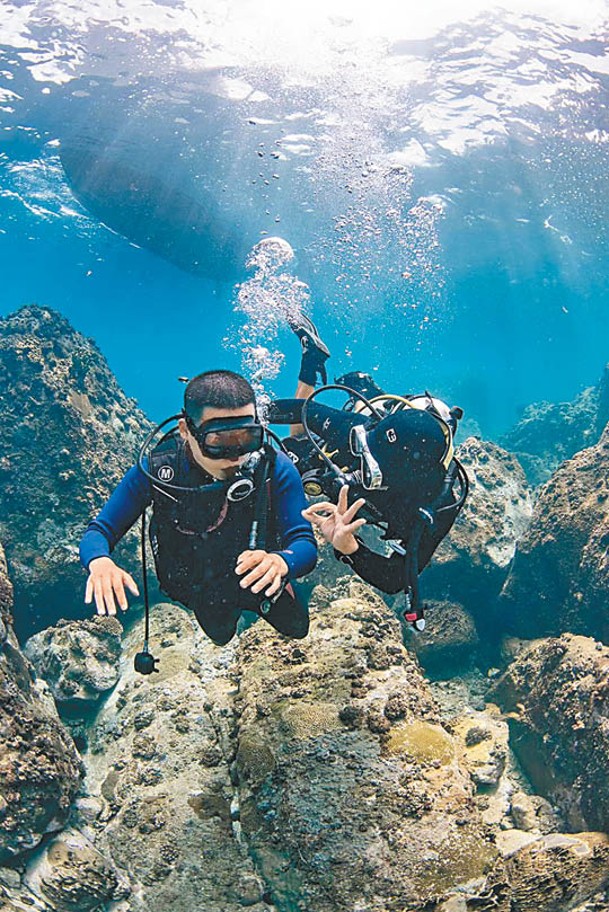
<point x="406" y="480"/>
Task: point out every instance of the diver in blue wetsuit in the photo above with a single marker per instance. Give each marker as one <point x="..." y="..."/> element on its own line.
<point x="227" y="532"/>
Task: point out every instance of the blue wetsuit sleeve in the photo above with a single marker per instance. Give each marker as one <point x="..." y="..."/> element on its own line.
<point x="298" y="546"/>
<point x="126" y="503"/>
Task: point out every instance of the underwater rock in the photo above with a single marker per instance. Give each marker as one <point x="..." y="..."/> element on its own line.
<point x="548" y="433"/>
<point x="559" y="580"/>
<point x="39" y="766"/>
<point x="69" y="433"/>
<point x="17" y="898"/>
<point x="471" y="563"/>
<point x="72" y="876"/>
<point x="79" y="660"/>
<point x="483" y="746"/>
<point x="532" y="813"/>
<point x="161" y="803"/>
<point x="551" y="874"/>
<point x="557" y="697"/>
<point x="351" y="792"/>
<point x="602" y="416"/>
<point x="554" y="873"/>
<point x="512" y="646"/>
<point x="449" y="642"/>
<point x="310" y="774"/>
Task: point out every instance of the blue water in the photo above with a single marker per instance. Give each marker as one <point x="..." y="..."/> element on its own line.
<point x="444" y="187"/>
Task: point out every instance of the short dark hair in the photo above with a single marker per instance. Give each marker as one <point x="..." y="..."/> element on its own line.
<point x="216" y="389"/>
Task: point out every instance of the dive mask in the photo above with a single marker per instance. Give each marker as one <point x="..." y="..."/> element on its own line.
<point x="227" y="438"/>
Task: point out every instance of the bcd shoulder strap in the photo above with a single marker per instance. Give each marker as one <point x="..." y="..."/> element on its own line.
<point x="259" y="529"/>
<point x="166" y="460"/>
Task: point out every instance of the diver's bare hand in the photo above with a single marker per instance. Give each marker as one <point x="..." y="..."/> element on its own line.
<point x="106" y="584"/>
<point x="265" y="570"/>
<point x="337" y="522"/>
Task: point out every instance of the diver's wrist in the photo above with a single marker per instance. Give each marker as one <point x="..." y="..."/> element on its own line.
<point x="348" y="547"/>
<point x="283" y="566"/>
<point x="282" y="562"/>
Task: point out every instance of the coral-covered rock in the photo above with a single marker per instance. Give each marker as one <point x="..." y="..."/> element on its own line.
<point x="162" y="803"/>
<point x="68" y="434"/>
<point x="471" y="563"/>
<point x="558" y="698"/>
<point x="551" y="874"/>
<point x="72" y="876"/>
<point x="449" y="642"/>
<point x="602" y="416"/>
<point x="15" y="897"/>
<point x="483" y="746"/>
<point x="554" y="873"/>
<point x="39" y="766"/>
<point x="534" y="814"/>
<point x="79" y="660"/>
<point x="548" y="433"/>
<point x="247" y="774"/>
<point x="344" y="767"/>
<point x="559" y="580"/>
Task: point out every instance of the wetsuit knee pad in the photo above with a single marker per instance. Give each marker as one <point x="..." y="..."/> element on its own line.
<point x="298" y="632"/>
<point x="218" y="630"/>
<point x="289" y="615"/>
<point x="221" y="641"/>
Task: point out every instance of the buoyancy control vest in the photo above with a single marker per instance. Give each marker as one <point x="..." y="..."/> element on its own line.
<point x="197" y="535"/>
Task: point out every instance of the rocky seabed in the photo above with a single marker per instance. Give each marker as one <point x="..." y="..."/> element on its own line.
<point x="324" y="774"/>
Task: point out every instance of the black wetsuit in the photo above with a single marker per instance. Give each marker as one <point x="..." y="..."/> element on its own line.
<point x="420" y="484"/>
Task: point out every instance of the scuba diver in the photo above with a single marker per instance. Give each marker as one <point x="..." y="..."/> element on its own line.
<point x="227" y="532"/>
<point x="380" y="460"/>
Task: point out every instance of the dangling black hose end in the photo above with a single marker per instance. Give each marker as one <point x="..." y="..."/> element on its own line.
<point x="145" y="663"/>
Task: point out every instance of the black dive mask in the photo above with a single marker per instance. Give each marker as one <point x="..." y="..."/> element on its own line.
<point x="227" y="438"/>
<point x="232" y="439"/>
